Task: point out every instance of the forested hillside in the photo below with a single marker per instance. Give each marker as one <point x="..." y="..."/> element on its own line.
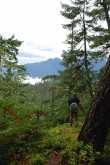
<point x="53" y="66"/>
<point x="65" y="119"/>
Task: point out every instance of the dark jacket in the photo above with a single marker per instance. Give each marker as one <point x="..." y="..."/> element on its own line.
<point x="73" y="99"/>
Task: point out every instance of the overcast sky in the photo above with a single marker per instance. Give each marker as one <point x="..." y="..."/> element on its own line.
<point x="36" y="22"/>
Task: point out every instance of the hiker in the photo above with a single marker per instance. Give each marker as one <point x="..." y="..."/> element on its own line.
<point x="73" y="103"/>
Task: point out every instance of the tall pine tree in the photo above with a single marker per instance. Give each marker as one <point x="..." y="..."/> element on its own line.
<point x="77" y="56"/>
<point x="97" y="123"/>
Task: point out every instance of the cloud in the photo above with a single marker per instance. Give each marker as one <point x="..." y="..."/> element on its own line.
<point x="24" y="58"/>
<point x="36" y="22"/>
<point x="30" y="80"/>
<point x="46" y="49"/>
<point x="38" y="53"/>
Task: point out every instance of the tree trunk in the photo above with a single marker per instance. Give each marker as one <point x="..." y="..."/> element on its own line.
<point x="106" y="10"/>
<point x="85" y="52"/>
<point x="72" y="40"/>
<point x="96" y="125"/>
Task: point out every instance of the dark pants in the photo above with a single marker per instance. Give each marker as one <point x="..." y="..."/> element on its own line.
<point x="73" y="113"/>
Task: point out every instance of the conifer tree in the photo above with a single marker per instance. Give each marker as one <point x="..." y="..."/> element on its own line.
<point x="9" y="68"/>
<point x="97" y="123"/>
<point x="100" y="25"/>
<point x="77" y="55"/>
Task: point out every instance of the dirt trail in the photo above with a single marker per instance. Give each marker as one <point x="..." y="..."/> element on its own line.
<point x="55" y="157"/>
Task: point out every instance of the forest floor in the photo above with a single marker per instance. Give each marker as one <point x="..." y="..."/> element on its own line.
<point x="45" y="146"/>
<point x="61" y="135"/>
<point x="31" y="142"/>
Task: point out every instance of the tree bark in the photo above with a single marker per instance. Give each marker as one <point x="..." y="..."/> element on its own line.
<point x="106" y="11"/>
<point x="96" y="125"/>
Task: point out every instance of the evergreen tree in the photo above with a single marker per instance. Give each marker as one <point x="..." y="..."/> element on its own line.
<point x="77" y="54"/>
<point x="100" y="25"/>
<point x="9" y="68"/>
<point x="97" y="123"/>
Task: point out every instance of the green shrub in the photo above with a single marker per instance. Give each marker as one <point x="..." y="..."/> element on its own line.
<point x="78" y="153"/>
<point x="37" y="159"/>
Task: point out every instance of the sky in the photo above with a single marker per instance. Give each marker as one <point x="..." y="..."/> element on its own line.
<point x="38" y="23"/>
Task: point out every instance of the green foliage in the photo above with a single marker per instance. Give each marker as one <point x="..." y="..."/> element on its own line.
<point x="85" y="29"/>
<point x="34" y="119"/>
<point x="37" y="159"/>
<point x="99" y="13"/>
<point x="33" y="137"/>
<point x="9" y="68"/>
<point x="79" y="153"/>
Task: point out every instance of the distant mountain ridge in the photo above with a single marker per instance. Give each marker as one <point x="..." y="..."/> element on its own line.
<point x="44" y="68"/>
<point x="52" y="66"/>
